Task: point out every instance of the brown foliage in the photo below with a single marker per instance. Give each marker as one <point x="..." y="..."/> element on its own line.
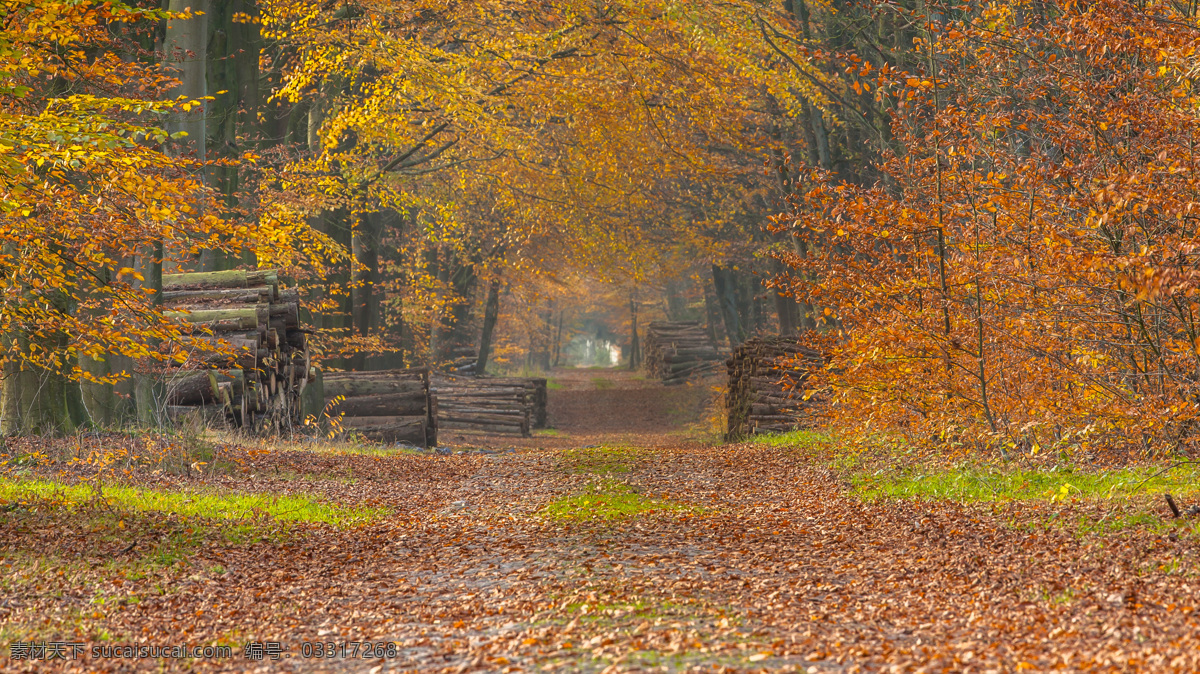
<point x="1024" y="275"/>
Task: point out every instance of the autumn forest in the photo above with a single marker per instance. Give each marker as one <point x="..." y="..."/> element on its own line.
<point x="599" y="335"/>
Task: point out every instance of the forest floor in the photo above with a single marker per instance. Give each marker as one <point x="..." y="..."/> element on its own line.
<point x="626" y="539"/>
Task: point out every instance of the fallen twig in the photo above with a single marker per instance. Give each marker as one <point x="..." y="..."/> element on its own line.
<point x="1168" y="468"/>
<point x="1171" y="504"/>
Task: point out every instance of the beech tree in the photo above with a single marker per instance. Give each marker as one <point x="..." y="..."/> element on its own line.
<point x="86" y="184"/>
<point x="1021" y="278"/>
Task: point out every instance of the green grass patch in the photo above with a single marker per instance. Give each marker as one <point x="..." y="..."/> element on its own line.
<point x="609" y="500"/>
<point x="213" y="505"/>
<point x="547" y="433"/>
<point x="601" y="383"/>
<point x="801" y="438"/>
<point x="554" y="385"/>
<point x="975" y="483"/>
<point x="600" y="460"/>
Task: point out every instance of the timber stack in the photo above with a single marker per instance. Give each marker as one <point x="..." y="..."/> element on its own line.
<point x="535" y="395"/>
<point x="258" y="364"/>
<point x="392" y="406"/>
<point x="677" y="351"/>
<point x="462" y="361"/>
<point x="495" y="405"/>
<point x="765" y="393"/>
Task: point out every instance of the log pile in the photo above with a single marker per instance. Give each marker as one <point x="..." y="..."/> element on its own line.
<point x="535" y="395"/>
<point x="765" y="393"/>
<point x="675" y="352"/>
<point x="259" y="364"/>
<point x="387" y="405"/>
<point x="463" y="361"/>
<point x="495" y="405"/>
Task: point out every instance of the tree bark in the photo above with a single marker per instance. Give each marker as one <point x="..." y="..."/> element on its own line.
<point x="491" y="312"/>
<point x="712" y="315"/>
<point x="186" y="52"/>
<point x="558" y="338"/>
<point x="148" y="389"/>
<point x="634" y="345"/>
<point x="726" y="295"/>
<point x="364" y="301"/>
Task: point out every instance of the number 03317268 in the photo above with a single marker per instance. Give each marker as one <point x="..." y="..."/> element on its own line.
<point x="349" y="649"/>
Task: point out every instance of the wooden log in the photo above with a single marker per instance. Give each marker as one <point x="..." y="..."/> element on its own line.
<point x="482" y="391"/>
<point x="214" y="415"/>
<point x="461" y="407"/>
<point x="399" y="373"/>
<point x="482" y="418"/>
<point x="410" y="429"/>
<point x="183" y="298"/>
<point x="219" y="320"/>
<point x="312" y="395"/>
<point x="411" y="403"/>
<point x="222" y="279"/>
<point x="382" y="421"/>
<point x="189" y="388"/>
<point x="349" y="387"/>
<point x="483" y="428"/>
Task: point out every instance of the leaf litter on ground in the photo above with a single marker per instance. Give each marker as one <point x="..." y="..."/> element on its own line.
<point x="782" y="565"/>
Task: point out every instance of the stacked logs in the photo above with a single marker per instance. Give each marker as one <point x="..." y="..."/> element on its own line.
<point x="535" y="395"/>
<point x="766" y="387"/>
<point x="387" y="405"/>
<point x="258" y="364"/>
<point x="676" y="351"/>
<point x="495" y="405"/>
<point x="463" y="361"/>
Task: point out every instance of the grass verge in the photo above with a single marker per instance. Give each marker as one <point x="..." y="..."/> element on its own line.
<point x="187" y="503"/>
<point x="800" y="438"/>
<point x="991" y="483"/>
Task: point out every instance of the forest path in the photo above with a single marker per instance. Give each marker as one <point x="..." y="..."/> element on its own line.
<point x="739" y="558"/>
<point x="597" y="552"/>
<point x="620" y="401"/>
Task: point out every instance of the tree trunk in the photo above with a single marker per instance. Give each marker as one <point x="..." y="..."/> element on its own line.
<point x="726" y="295"/>
<point x="148" y="389"/>
<point x="333" y="224"/>
<point x="491" y="312"/>
<point x="785" y="309"/>
<point x="32" y="399"/>
<point x="558" y="338"/>
<point x="186" y="49"/>
<point x="232" y="74"/>
<point x="634" y="345"/>
<point x="186" y="52"/>
<point x="34" y="402"/>
<point x="364" y="302"/>
<point x="712" y="315"/>
<point x="676" y="305"/>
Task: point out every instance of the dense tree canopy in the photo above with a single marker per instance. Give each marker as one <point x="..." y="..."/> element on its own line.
<point x="984" y="208"/>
